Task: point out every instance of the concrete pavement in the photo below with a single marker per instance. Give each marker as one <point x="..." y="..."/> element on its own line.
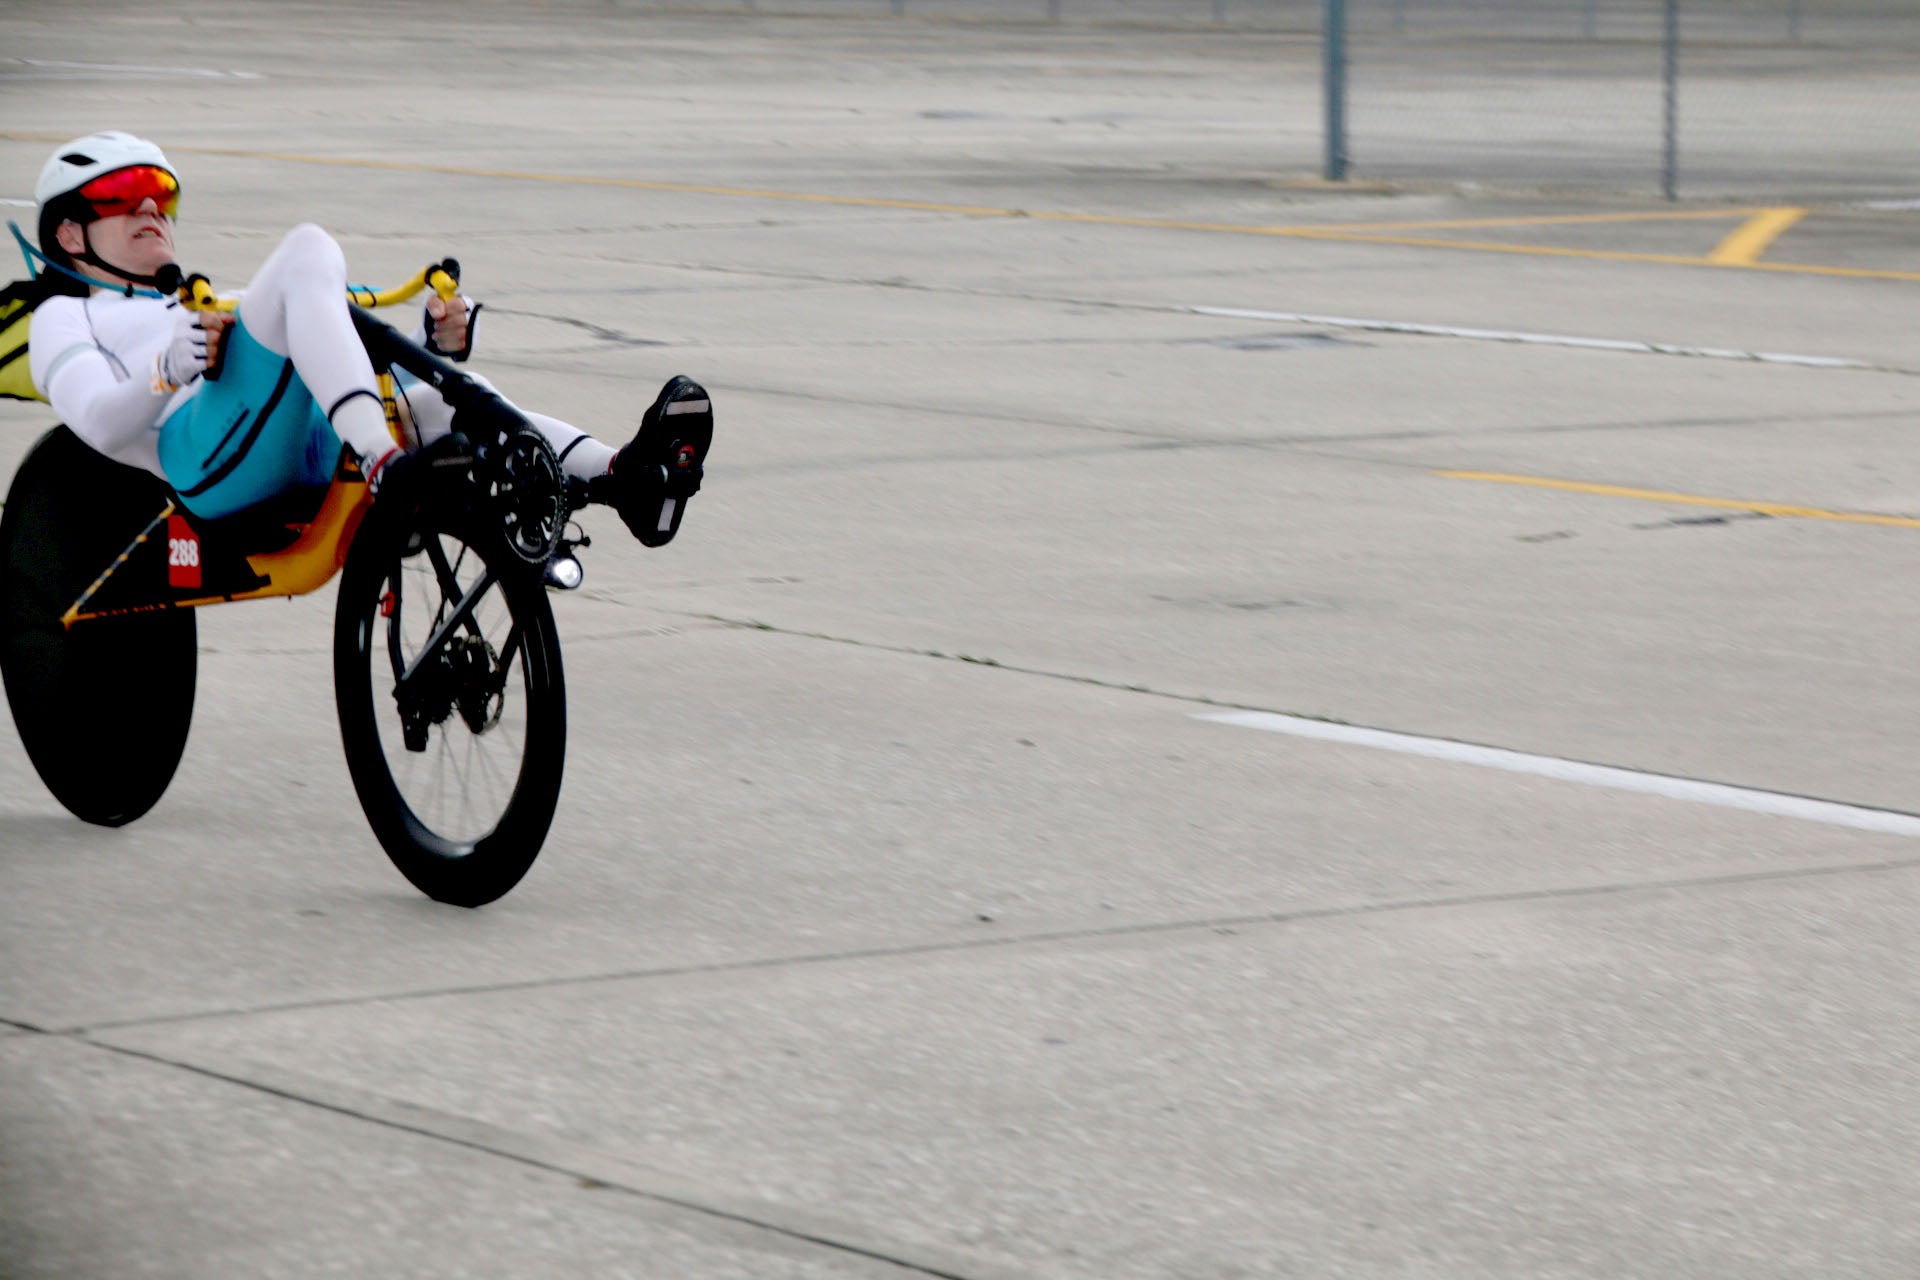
<point x="901" y="915"/>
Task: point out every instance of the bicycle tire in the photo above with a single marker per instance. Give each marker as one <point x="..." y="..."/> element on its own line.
<point x="103" y="708"/>
<point x="389" y="578"/>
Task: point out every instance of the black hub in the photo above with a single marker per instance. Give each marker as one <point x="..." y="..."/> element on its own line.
<point x="465" y="675"/>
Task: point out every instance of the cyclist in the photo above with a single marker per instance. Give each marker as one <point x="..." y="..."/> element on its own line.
<point x="125" y="364"/>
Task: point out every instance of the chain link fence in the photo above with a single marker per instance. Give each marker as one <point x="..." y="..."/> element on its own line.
<point x="1774" y="99"/>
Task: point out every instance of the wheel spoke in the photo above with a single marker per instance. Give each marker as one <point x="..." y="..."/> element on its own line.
<point x="462" y="615"/>
<point x="448" y="573"/>
<point x="456" y="663"/>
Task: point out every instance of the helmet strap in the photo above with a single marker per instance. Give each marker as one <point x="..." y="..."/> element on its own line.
<point x="168" y="272"/>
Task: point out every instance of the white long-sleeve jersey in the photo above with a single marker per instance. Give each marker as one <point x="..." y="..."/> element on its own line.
<point x="92" y="358"/>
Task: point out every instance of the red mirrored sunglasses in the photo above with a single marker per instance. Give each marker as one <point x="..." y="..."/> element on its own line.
<point x="123" y="190"/>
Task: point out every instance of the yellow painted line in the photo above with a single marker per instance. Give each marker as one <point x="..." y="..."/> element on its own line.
<point x="589" y="180"/>
<point x="1685" y="499"/>
<point x="1494" y="246"/>
<point x="1748" y="241"/>
<point x="1334" y="233"/>
<point x="1808" y="269"/>
<point x="1551" y="220"/>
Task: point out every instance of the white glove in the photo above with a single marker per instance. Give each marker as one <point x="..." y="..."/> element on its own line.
<point x="185" y="356"/>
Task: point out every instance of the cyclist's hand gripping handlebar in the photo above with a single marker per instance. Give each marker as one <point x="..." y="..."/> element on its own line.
<point x="216" y="312"/>
<point x="443" y="277"/>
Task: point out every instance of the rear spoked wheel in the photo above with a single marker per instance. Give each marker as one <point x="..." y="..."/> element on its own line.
<point x="451" y="699"/>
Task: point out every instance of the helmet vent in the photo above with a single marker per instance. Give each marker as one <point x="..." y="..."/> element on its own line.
<point x="75" y="157"/>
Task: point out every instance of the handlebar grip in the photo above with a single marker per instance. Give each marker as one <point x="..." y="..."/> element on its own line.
<point x="444" y="277"/>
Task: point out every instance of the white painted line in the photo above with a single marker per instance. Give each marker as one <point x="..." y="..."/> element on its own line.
<point x="1542" y="339"/>
<point x="1888" y="204"/>
<point x="23" y="204"/>
<point x="116" y="68"/>
<point x="1830" y="812"/>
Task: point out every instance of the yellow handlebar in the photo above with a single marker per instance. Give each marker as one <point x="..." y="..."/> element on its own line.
<point x="436" y="276"/>
<point x="196" y="293"/>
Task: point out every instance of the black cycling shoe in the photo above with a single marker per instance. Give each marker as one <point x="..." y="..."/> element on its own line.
<point x="652" y="478"/>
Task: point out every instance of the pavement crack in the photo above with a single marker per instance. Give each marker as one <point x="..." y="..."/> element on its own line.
<point x="1043" y="939"/>
<point x="578" y="1161"/>
<point x="600" y="331"/>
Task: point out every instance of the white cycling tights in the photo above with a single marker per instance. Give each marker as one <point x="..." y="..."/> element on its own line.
<point x="580" y="454"/>
<point x="294" y="307"/>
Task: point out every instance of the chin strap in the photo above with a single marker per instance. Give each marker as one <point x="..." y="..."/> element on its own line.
<point x="166" y="280"/>
<point x="163" y="283"/>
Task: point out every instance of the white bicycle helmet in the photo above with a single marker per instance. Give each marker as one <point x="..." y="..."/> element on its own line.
<point x="72" y="166"/>
<point x="79" y="162"/>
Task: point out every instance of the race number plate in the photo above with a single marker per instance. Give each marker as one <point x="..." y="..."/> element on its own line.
<point x="183" y="553"/>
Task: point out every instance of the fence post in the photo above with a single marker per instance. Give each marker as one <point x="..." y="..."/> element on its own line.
<point x="1590" y="19"/>
<point x="1333" y="53"/>
<point x="1793" y="20"/>
<point x="1670" y="156"/>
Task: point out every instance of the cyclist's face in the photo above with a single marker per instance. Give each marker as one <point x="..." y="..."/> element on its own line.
<point x="141" y="241"/>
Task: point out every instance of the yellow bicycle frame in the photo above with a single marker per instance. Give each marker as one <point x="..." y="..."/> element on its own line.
<point x="320" y="550"/>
